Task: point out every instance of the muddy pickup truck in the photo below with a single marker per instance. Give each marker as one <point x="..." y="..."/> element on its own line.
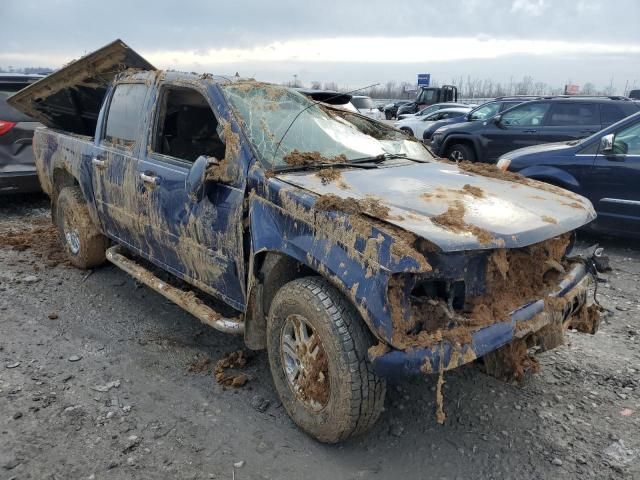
<point x="334" y="241"/>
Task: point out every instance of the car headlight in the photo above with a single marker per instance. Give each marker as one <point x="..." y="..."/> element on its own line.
<point x="503" y="164"/>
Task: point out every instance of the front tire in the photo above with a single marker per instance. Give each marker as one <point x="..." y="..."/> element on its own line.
<point x="317" y="345"/>
<point x="407" y="131"/>
<point x="84" y="244"/>
<point x="460" y="152"/>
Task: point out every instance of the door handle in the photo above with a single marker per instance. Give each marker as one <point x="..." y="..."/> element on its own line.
<point x="98" y="163"/>
<point x="152" y="179"/>
<point x="529" y="131"/>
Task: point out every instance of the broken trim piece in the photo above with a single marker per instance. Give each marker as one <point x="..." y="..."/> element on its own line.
<point x="186" y="300"/>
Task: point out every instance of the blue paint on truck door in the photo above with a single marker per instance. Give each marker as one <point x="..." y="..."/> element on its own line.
<point x="114" y="163"/>
<point x="200" y="239"/>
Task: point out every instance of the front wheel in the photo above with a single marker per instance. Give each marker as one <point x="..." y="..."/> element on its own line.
<point x="407" y="131"/>
<point x="460" y="152"/>
<point x="317" y="346"/>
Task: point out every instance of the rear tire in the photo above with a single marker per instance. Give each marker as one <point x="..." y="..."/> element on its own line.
<point x="84" y="244"/>
<point x="460" y="152"/>
<point x="328" y="389"/>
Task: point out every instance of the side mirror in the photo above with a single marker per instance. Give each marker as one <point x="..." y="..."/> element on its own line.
<point x="194" y="183"/>
<point x="497" y="119"/>
<point x="606" y="143"/>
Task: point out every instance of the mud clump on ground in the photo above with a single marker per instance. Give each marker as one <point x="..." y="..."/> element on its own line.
<point x="200" y="365"/>
<point x="352" y="206"/>
<point x="41" y="239"/>
<point x="233" y="360"/>
<point x="298" y="158"/>
<point x="453" y="220"/>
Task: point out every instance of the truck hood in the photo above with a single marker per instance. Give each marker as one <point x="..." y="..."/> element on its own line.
<point x="70" y="98"/>
<point x="513" y="214"/>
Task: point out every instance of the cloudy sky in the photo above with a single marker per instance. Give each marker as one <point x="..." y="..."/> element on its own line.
<point x="354" y="43"/>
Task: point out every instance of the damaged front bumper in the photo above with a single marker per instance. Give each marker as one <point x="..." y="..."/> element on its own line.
<point x="528" y="319"/>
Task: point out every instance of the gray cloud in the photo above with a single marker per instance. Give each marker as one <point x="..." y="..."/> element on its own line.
<point x="76" y="25"/>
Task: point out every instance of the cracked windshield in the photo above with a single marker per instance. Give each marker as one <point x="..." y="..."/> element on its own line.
<point x="315" y="136"/>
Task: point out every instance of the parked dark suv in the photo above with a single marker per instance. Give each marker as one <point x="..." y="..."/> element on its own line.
<point x="482" y="112"/>
<point x="553" y="119"/>
<point x="17" y="168"/>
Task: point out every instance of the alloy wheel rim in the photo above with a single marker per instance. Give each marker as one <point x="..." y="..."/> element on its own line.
<point x="305" y="363"/>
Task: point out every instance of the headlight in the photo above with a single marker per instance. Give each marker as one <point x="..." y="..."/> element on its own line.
<point x="503" y="164"/>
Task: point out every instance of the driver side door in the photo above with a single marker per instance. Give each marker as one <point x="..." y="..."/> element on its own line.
<point x="616" y="180"/>
<point x="198" y="238"/>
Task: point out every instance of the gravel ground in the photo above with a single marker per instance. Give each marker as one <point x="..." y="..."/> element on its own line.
<point x="95" y="382"/>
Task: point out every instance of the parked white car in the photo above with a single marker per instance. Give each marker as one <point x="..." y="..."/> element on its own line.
<point x="433" y="108"/>
<point x="365" y="106"/>
<point x="416" y="125"/>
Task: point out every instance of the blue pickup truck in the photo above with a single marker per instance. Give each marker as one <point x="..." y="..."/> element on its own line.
<point x="334" y="241"/>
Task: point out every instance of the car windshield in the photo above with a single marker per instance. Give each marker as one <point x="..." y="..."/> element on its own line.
<point x="267" y="112"/>
<point x="485" y="111"/>
<point x="362" y="103"/>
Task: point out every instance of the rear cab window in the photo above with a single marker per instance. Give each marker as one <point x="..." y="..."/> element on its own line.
<point x="125" y="115"/>
<point x="573" y="114"/>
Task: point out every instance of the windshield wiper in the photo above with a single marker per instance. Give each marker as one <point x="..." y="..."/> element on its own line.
<point x="383" y="157"/>
<point x="314" y="166"/>
<point x="363" y="162"/>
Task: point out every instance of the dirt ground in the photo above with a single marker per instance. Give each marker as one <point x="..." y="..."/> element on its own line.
<point x="101" y="378"/>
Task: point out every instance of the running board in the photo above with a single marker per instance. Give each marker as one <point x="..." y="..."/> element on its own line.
<point x="186" y="300"/>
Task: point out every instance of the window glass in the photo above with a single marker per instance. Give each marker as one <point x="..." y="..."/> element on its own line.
<point x="426" y="96"/>
<point x="526" y="115"/>
<point x="186" y="126"/>
<point x="125" y="113"/>
<point x="611" y="113"/>
<point x="428" y="110"/>
<point x="485" y="111"/>
<point x="573" y="114"/>
<point x="282" y="124"/>
<point x="591" y="149"/>
<point x="627" y="141"/>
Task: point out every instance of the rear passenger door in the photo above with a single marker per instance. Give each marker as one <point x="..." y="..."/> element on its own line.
<point x="114" y="164"/>
<point x="519" y="127"/>
<point x="570" y="121"/>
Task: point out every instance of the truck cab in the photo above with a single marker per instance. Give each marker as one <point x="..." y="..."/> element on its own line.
<point x="428" y="96"/>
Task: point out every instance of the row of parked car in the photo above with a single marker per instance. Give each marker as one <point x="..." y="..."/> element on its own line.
<point x="590" y="145"/>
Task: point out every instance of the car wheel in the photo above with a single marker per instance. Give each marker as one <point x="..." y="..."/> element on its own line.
<point x="388" y="115"/>
<point x="460" y="152"/>
<point x="408" y="131"/>
<point x="84" y="244"/>
<point x="317" y="345"/>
